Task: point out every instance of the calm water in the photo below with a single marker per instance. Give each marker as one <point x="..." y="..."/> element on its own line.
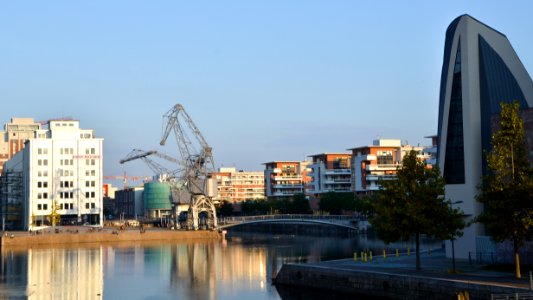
<point x="240" y="268"/>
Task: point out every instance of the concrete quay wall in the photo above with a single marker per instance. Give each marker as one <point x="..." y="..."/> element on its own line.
<point x="384" y="285"/>
<point x="26" y="240"/>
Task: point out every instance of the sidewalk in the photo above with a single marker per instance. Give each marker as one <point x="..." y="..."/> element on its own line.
<point x="434" y="265"/>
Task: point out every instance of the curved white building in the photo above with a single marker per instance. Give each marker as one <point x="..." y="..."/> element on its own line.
<point x="479" y="71"/>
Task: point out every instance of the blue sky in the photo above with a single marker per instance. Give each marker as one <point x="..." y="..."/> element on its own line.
<point x="263" y="80"/>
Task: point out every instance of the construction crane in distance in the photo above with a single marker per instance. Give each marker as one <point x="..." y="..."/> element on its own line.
<point x="125" y="178"/>
<point x="197" y="161"/>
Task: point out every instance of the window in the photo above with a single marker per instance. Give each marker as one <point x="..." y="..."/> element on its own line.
<point x="39" y="184"/>
<point x="45" y="206"/>
<point x="87" y="194"/>
<point x="87" y="205"/>
<point x="92" y="195"/>
<point x="45" y="195"/>
<point x="93" y="205"/>
<point x="39" y="196"/>
<point x="39" y="207"/>
<point x="71" y="206"/>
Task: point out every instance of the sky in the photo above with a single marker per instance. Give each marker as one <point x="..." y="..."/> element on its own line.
<point x="262" y="80"/>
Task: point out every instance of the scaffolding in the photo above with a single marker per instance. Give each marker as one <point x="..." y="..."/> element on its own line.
<point x="11" y="200"/>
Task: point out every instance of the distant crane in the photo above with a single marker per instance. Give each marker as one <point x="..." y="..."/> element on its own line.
<point x="198" y="164"/>
<point x="125" y="178"/>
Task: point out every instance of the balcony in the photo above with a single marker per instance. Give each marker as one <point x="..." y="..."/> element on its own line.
<point x="288" y="177"/>
<point x="287" y="186"/>
<point x="382" y="167"/>
<point x="338" y="172"/>
<point x="338" y="181"/>
<point x="379" y="177"/>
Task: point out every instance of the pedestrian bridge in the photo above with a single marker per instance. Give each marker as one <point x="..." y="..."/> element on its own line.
<point x="348" y="222"/>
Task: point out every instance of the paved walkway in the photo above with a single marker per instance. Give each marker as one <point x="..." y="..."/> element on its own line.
<point x="435" y="265"/>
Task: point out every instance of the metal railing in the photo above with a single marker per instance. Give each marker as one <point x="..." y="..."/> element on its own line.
<point x="517" y="296"/>
<point x="329" y="218"/>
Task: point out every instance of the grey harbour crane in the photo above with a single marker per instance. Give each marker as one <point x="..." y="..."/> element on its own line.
<point x="198" y="166"/>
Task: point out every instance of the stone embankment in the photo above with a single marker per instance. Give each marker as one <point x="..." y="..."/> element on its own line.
<point x="88" y="235"/>
<point x="397" y="279"/>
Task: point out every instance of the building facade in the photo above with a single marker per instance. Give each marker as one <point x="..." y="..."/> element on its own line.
<point x="61" y="169"/>
<point x="379" y="161"/>
<point x="15" y="134"/>
<point x="285" y="178"/>
<point x="238" y="186"/>
<point x="129" y="203"/>
<point x="329" y="172"/>
<point x="480" y="69"/>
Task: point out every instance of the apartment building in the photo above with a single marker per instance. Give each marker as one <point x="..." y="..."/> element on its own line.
<point x="14" y="135"/>
<point x="329" y="172"/>
<point x="285" y="178"/>
<point x="238" y="186"/>
<point x="379" y="161"/>
<point x="61" y="172"/>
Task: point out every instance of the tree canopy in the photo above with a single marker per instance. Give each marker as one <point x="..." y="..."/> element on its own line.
<point x="414" y="204"/>
<point x="507" y="189"/>
<point x="335" y="203"/>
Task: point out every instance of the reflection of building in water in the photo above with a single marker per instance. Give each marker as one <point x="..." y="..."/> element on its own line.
<point x="192" y="269"/>
<point x="65" y="273"/>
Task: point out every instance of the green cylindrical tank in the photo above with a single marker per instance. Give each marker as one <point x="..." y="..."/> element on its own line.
<point x="156" y="196"/>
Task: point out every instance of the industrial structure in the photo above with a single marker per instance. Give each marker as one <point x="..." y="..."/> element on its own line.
<point x="480" y="69"/>
<point x="198" y="166"/>
<point x="188" y="186"/>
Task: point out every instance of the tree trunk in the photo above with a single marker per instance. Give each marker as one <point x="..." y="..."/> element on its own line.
<point x="417" y="235"/>
<point x="516" y="249"/>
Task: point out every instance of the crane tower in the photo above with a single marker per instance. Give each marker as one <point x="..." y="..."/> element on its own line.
<point x="197" y="165"/>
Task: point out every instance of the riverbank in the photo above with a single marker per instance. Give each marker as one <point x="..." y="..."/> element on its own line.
<point x="396" y="278"/>
<point x="82" y="235"/>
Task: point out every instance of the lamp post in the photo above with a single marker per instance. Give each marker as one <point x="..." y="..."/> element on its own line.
<point x="453" y="239"/>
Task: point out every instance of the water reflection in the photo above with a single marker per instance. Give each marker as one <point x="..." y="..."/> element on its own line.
<point x="52" y="273"/>
<point x="241" y="268"/>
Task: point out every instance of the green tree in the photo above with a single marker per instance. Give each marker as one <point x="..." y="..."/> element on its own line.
<point x="413" y="204"/>
<point x="299" y="205"/>
<point x="225" y="208"/>
<point x="507" y="190"/>
<point x="335" y="203"/>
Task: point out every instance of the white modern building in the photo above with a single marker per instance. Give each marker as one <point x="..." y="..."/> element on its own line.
<point x="61" y="171"/>
<point x="480" y="70"/>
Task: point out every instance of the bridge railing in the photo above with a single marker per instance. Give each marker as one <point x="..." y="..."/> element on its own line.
<point x="328" y="218"/>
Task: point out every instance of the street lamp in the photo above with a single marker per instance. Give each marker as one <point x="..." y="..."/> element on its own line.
<point x="453" y="238"/>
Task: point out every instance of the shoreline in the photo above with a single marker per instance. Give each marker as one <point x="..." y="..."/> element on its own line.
<point x="84" y="235"/>
<point x="395" y="278"/>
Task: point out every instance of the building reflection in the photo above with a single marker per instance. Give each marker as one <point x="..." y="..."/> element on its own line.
<point x="70" y="273"/>
<point x="65" y="273"/>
